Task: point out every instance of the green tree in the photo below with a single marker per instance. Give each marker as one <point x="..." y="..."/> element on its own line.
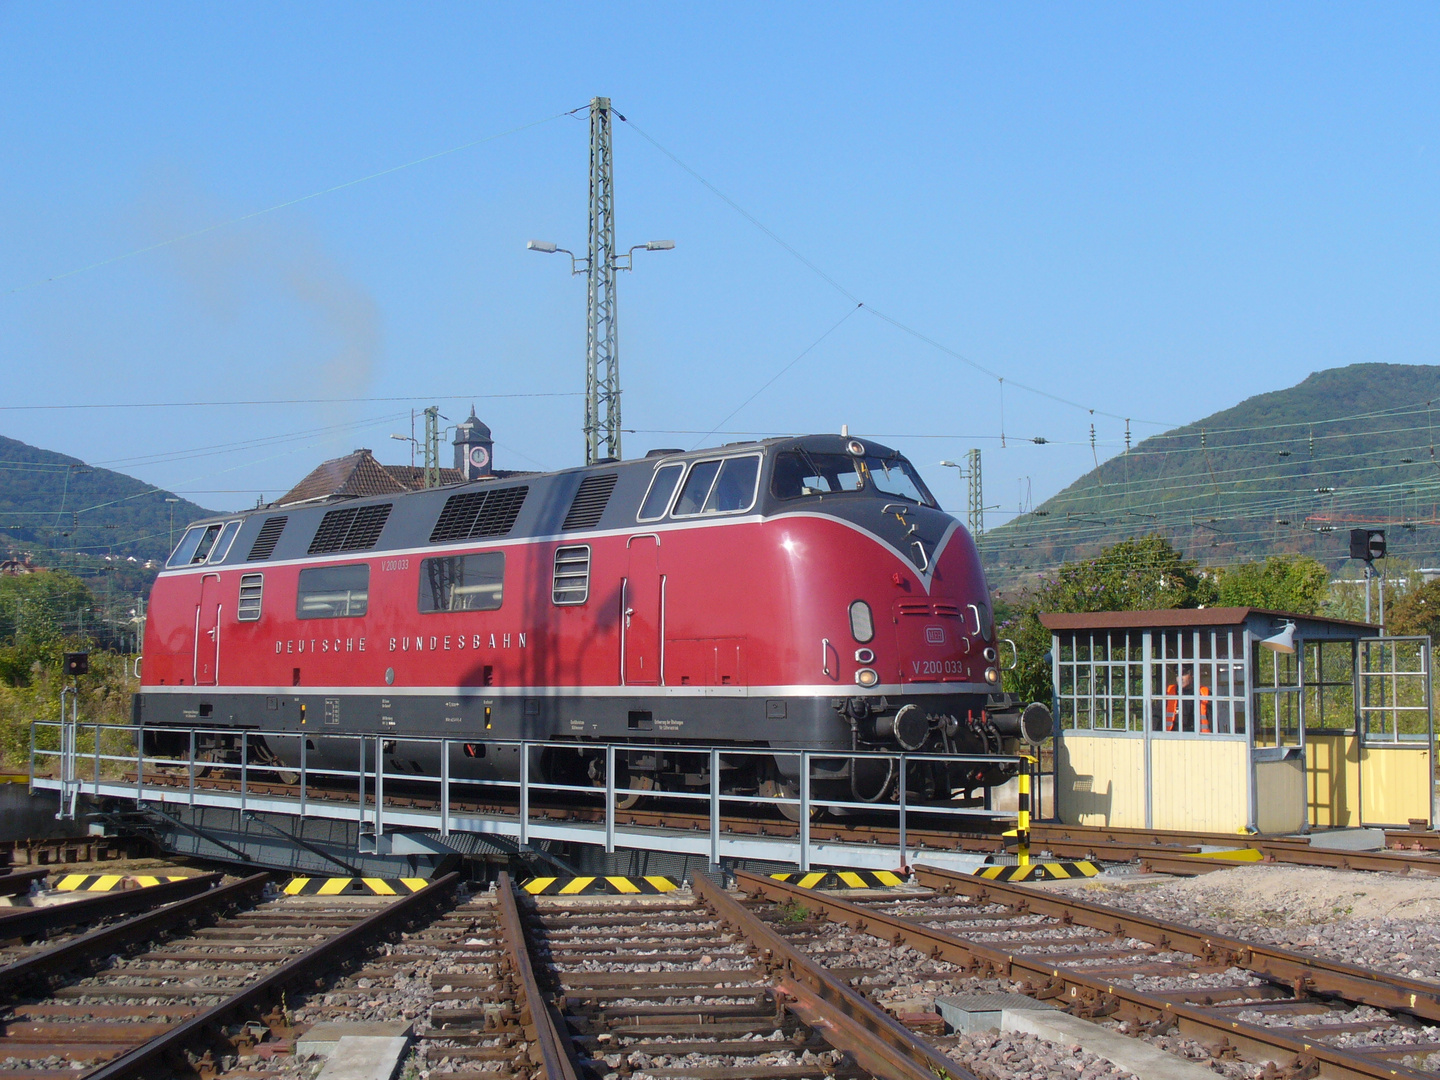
<point x="38" y="617"/>
<point x="1418" y="612"/>
<point x="1133" y="575"/>
<point x="1295" y="583"/>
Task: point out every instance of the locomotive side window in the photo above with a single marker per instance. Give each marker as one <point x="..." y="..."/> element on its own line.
<point x="571" y="584"/>
<point x="734" y="488"/>
<point x="251" y="587"/>
<point x="333" y="592"/>
<point x="800" y="473"/>
<point x="222" y="545"/>
<point x="721" y="486"/>
<point x="697" y="487"/>
<point x="662" y="486"/>
<point x="184" y="551"/>
<point x="462" y="582"/>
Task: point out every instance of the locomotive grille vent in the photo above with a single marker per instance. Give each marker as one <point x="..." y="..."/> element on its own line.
<point x="590" y="502"/>
<point x="478" y="513"/>
<point x="353" y="528"/>
<point x="920" y="607"/>
<point x="267" y="538"/>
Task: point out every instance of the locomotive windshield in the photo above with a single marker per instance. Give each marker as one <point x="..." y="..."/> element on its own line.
<point x="799" y="473"/>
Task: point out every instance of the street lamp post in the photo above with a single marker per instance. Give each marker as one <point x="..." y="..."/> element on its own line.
<point x="172" y="503"/>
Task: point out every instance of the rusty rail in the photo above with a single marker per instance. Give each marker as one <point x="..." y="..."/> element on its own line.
<point x="848" y="1020"/>
<point x="543" y="1025"/>
<point x="1076" y="987"/>
<point x="198" y="898"/>
<point x="38" y="921"/>
<point x="1392" y="992"/>
<point x="155" y="1056"/>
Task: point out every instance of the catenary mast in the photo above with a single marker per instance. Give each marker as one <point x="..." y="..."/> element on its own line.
<point x="602" y="349"/>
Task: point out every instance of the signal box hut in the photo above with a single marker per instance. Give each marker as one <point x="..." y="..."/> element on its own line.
<point x="1228" y="719"/>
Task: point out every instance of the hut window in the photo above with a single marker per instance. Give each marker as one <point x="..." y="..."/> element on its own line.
<point x="1101" y="680"/>
<point x="1197" y="680"/>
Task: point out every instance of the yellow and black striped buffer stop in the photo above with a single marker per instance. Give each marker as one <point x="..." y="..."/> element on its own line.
<point x="340" y="886"/>
<point x="596" y="886"/>
<point x="110" y="882"/>
<point x="843" y="879"/>
<point x="1039" y="871"/>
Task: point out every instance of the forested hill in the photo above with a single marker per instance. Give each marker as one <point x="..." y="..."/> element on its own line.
<point x="1288" y="471"/>
<point x="66" y="513"/>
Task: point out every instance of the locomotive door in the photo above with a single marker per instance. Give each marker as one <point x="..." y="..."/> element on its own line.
<point x="642" y="597"/>
<point x="207" y="631"/>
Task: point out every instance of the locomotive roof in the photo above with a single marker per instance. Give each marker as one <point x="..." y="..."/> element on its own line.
<point x="507" y="506"/>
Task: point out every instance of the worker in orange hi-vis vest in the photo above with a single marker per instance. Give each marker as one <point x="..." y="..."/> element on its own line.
<point x="1180" y="708"/>
<point x="1204" y="709"/>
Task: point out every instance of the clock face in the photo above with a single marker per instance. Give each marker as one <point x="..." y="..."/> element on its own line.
<point x="479" y="457"/>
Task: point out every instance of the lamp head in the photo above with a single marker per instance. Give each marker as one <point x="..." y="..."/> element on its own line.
<point x="660" y="245"/>
<point x="1282" y="642"/>
<point x="543" y="246"/>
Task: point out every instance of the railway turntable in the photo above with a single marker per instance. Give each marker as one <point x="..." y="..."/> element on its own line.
<point x="1239" y="719"/>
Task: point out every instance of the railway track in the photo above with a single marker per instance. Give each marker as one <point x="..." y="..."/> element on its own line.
<point x="1164" y="851"/>
<point x="694" y="985"/>
<point x="1311" y="1016"/>
<point x="176" y="985"/>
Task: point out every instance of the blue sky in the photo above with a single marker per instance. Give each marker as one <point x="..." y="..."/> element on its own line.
<point x="1152" y="211"/>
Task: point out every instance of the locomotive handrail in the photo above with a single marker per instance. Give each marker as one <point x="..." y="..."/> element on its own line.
<point x="370" y="810"/>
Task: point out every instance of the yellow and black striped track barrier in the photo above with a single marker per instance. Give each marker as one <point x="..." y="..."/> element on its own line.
<point x="111" y="882"/>
<point x="341" y="886"/>
<point x="1039" y="871"/>
<point x="843" y="879"/>
<point x="614" y="885"/>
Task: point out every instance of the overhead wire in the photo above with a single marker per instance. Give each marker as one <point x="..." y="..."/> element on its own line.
<point x="852" y="297"/>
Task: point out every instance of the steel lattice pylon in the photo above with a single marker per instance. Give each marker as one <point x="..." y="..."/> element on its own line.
<point x="602" y="351"/>
<point x="976" y="516"/>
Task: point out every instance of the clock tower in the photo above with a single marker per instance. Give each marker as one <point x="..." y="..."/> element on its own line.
<point x="474" y="449"/>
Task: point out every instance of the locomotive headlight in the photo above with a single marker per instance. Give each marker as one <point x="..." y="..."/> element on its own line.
<point x="867" y="676"/>
<point x="992" y="676"/>
<point x="989" y="654"/>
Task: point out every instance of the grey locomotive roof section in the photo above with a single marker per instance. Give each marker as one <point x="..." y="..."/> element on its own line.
<point x="550" y="494"/>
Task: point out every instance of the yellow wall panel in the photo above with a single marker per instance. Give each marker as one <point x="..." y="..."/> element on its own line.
<point x="1101" y="780"/>
<point x="1280" y="792"/>
<point x="1332" y="780"/>
<point x="1200" y="784"/>
<point x="1395" y="785"/>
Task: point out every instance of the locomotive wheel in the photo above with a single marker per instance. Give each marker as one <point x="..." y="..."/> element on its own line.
<point x="624" y="778"/>
<point x="771" y="788"/>
<point x="642" y="781"/>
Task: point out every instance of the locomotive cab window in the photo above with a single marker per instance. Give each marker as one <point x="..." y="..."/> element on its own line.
<point x="798" y="473"/>
<point x="333" y="592"/>
<point x="462" y="582"/>
<point x="662" y="486"/>
<point x="222" y="544"/>
<point x="194" y="546"/>
<point x="719" y="486"/>
<point x="894" y="476"/>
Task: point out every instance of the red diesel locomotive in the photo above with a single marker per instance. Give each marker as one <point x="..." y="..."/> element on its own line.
<point x="796" y="593"/>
